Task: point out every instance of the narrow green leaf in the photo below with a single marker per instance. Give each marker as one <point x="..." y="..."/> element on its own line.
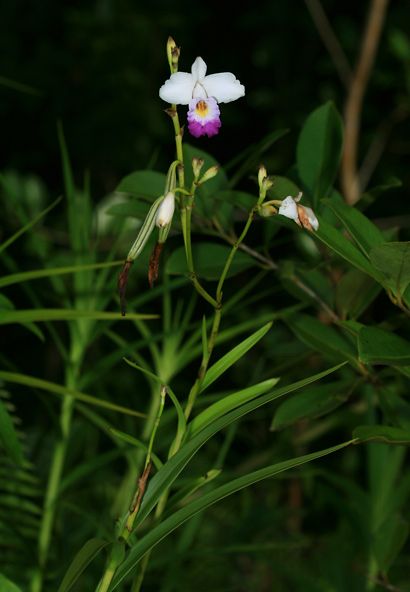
<point x="146" y="184"/>
<point x="25" y="276"/>
<point x="228" y="404"/>
<point x="209" y="260"/>
<point x="233" y="356"/>
<point x="64" y="391"/>
<point x="63" y="314"/>
<point x="173" y="467"/>
<point x="336" y="241"/>
<point x="377" y="346"/>
<point x="9" y="437"/>
<point x="393" y="261"/>
<point x="83" y="558"/>
<point x="137" y="443"/>
<point x="190" y="488"/>
<point x="360" y="228"/>
<point x="204" y="338"/>
<point x="319" y="150"/>
<point x="381" y="434"/>
<point x="167" y="526"/>
<point x="26" y="227"/>
<point x="389" y="541"/>
<point x="172" y="396"/>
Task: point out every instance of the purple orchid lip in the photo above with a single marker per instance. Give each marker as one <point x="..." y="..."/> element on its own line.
<point x="203" y="117"/>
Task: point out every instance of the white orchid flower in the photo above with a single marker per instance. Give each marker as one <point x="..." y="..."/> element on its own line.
<point x="302" y="215"/>
<point x="202" y="93"/>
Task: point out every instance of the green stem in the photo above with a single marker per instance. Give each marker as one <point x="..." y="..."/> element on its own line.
<point x="236" y="247"/>
<point x="54" y="480"/>
<point x="204" y="364"/>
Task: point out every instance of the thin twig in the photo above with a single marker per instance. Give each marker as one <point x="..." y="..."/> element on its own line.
<point x="350" y="179"/>
<point x="384" y="584"/>
<point x="331" y="41"/>
<point x="275" y="267"/>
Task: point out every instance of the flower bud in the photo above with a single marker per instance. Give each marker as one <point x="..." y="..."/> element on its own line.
<point x="267" y="183"/>
<point x="266" y="211"/>
<point x="173" y="53"/>
<point x="197" y="164"/>
<point x="262" y="174"/>
<point x="166" y="210"/>
<point x="210" y="173"/>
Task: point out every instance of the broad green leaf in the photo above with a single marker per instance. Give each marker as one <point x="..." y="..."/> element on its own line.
<point x="377" y="346"/>
<point x="63" y="314"/>
<point x="323" y="338"/>
<point x="254" y="151"/>
<point x="146" y="184"/>
<point x="381" y="434"/>
<point x="319" y="150"/>
<point x="393" y="261"/>
<point x="355" y="292"/>
<point x="167" y="526"/>
<point x="9" y="437"/>
<point x="311" y="403"/>
<point x="133" y="208"/>
<point x="314" y="280"/>
<point x="83" y="558"/>
<point x="173" y="467"/>
<point x="228" y="404"/>
<point x="240" y="199"/>
<point x="352" y="326"/>
<point x="7" y="585"/>
<point x="336" y="241"/>
<point x="233" y="356"/>
<point x="252" y="156"/>
<point x="282" y="187"/>
<point x="24" y="229"/>
<point x="57" y="389"/>
<point x="25" y="276"/>
<point x="209" y="260"/>
<point x="360" y="228"/>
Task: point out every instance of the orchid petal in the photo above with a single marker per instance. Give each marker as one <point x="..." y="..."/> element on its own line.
<point x="311" y="217"/>
<point x="223" y="87"/>
<point x="178" y="89"/>
<point x="198" y="69"/>
<point x="289" y="209"/>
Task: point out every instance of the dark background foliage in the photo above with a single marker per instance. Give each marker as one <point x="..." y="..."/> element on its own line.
<point x="98" y="66"/>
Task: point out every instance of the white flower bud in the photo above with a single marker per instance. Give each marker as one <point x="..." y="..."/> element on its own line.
<point x="166" y="210"/>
